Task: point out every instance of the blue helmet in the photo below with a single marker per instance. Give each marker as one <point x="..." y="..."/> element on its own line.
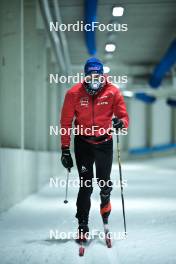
<point x="93" y="65"/>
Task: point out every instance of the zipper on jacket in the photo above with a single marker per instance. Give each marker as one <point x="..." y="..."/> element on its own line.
<point x="93" y="109"/>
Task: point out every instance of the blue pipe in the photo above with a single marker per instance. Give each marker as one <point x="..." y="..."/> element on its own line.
<point x="171" y="102"/>
<point x="148" y="99"/>
<point x="90" y="16"/>
<point x="154" y="149"/>
<point x="164" y="66"/>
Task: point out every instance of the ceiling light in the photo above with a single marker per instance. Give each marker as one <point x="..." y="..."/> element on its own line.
<point x="117" y="11"/>
<point x="106" y="69"/>
<point x="110" y="47"/>
<point x="128" y="93"/>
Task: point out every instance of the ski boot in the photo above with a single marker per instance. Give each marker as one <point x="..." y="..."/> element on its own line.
<point x="105" y="212"/>
<point x="83" y="232"/>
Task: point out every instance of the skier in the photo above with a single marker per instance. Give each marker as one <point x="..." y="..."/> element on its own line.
<point x="92" y="104"/>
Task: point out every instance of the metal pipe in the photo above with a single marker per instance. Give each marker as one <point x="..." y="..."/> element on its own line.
<point x="46" y="14"/>
<point x="63" y="38"/>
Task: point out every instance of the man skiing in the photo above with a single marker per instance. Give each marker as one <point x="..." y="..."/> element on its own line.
<point x="92" y="104"/>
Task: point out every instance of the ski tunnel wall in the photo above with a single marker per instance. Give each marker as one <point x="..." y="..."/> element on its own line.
<point x="27" y="106"/>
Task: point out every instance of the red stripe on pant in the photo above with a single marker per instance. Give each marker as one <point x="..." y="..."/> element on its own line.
<point x="105" y="209"/>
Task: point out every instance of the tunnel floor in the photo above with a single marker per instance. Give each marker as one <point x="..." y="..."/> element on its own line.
<point x="150" y="201"/>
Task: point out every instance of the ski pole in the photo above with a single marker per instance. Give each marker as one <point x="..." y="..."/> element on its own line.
<point x="121" y="186"/>
<point x="66" y="190"/>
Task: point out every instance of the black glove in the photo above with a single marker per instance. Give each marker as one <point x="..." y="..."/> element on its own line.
<point x="66" y="158"/>
<point x="117" y="123"/>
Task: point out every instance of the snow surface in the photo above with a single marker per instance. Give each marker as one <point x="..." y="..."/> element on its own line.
<point x="151" y="221"/>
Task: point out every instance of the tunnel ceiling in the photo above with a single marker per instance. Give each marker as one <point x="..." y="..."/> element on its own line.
<point x="151" y="27"/>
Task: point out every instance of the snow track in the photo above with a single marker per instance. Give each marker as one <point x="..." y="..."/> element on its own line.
<point x="151" y="221"/>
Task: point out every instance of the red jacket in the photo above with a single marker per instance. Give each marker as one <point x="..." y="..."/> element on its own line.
<point x="91" y="110"/>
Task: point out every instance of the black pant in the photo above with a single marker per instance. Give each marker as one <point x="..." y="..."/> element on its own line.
<point x="86" y="154"/>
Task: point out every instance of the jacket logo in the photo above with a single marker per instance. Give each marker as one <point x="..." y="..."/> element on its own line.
<point x="102" y="103"/>
<point x="84" y="101"/>
<point x="103" y="97"/>
<point x="83" y="169"/>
